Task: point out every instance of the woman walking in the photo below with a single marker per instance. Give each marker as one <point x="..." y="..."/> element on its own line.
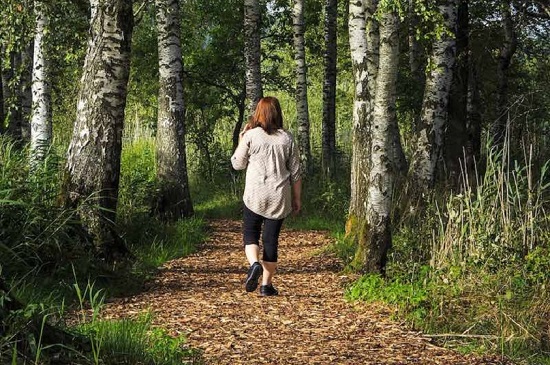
<point x="272" y="189"/>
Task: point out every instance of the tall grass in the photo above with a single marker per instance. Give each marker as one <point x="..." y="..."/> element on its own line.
<point x="482" y="282"/>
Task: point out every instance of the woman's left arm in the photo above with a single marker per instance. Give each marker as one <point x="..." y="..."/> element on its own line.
<point x="239" y="160"/>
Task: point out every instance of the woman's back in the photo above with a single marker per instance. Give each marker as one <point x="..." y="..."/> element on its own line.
<point x="273" y="163"/>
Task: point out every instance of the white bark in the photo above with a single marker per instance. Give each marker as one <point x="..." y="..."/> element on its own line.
<point x="373" y="44"/>
<point x="302" y="112"/>
<point x="382" y="172"/>
<point x="174" y="200"/>
<point x="26" y="90"/>
<point x="252" y="54"/>
<point x="430" y="141"/>
<point x="361" y="110"/>
<point x="41" y="120"/>
<point x="93" y="161"/>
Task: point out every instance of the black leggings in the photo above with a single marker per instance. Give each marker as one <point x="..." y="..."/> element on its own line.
<point x="252" y="227"/>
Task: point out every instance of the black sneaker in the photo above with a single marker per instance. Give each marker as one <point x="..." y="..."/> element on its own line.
<point x="252" y="276"/>
<point x="268" y="290"/>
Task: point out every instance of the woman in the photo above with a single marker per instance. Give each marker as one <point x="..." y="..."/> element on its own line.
<point x="272" y="190"/>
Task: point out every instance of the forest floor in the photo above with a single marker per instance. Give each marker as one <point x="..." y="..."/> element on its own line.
<point x="202" y="296"/>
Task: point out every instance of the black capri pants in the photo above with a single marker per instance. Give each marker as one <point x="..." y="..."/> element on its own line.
<point x="252" y="228"/>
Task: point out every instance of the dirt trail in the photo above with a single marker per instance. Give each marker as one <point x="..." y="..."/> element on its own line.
<point x="203" y="297"/>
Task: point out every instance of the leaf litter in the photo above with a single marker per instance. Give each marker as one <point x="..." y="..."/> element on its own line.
<point x="202" y="296"/>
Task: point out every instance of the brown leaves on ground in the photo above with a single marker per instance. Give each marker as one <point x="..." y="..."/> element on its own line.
<point x="203" y="297"/>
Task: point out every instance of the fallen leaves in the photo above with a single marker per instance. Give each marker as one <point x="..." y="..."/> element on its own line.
<point x="203" y="297"/>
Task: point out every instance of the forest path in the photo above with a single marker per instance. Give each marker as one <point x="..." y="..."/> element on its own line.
<point x="203" y="297"/>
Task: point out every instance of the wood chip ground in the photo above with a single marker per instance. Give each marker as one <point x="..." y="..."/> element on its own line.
<point x="202" y="296"/>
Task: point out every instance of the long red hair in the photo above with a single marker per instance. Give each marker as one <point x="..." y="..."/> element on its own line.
<point x="268" y="115"/>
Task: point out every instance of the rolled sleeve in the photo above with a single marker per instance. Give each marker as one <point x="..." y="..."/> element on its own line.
<point x="239" y="160"/>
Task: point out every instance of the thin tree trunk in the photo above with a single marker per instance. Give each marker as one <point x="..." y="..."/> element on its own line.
<point x="41" y="122"/>
<point x="375" y="242"/>
<point x="93" y="161"/>
<point x="26" y="91"/>
<point x="329" y="89"/>
<point x="429" y="147"/>
<point x="498" y="129"/>
<point x="252" y="54"/>
<point x="360" y="159"/>
<point x="373" y="49"/>
<point x="456" y="135"/>
<point x="302" y="112"/>
<point x="174" y="200"/>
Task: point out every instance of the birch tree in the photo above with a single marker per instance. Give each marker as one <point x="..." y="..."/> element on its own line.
<point x="302" y="110"/>
<point x="429" y="145"/>
<point x="374" y="126"/>
<point x="329" y="88"/>
<point x="377" y="240"/>
<point x="361" y="115"/>
<point x="41" y="122"/>
<point x="93" y="158"/>
<point x="252" y="53"/>
<point x="25" y="90"/>
<point x="174" y="199"/>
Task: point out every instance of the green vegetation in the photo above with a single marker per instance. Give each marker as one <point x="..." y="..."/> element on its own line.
<point x="470" y="264"/>
<point x="471" y="279"/>
<point x="47" y="263"/>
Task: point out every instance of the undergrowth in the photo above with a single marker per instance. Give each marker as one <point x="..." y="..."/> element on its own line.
<point x="43" y="258"/>
<point x="474" y="271"/>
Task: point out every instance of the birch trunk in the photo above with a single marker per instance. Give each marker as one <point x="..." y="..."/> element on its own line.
<point x="93" y="161"/>
<point x="252" y="54"/>
<point x="373" y="48"/>
<point x="360" y="159"/>
<point x="25" y="88"/>
<point x="302" y="112"/>
<point x="174" y="199"/>
<point x="329" y="89"/>
<point x="498" y="129"/>
<point x="375" y="242"/>
<point x="41" y="122"/>
<point x="429" y="147"/>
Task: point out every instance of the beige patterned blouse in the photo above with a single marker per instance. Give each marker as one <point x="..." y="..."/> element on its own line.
<point x="273" y="165"/>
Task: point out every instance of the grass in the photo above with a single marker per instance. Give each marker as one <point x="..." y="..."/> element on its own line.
<point x="47" y="262"/>
<point x="475" y="268"/>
